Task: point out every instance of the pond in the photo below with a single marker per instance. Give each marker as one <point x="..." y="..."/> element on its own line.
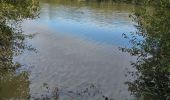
<point x="77" y="46"/>
<point x="76" y="52"/>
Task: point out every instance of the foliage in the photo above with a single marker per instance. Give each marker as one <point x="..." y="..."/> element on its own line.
<point x="11" y="37"/>
<point x="12" y="12"/>
<point x="153" y="64"/>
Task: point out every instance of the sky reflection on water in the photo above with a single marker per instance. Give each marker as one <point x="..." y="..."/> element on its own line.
<point x="91" y="24"/>
<point x="76" y="42"/>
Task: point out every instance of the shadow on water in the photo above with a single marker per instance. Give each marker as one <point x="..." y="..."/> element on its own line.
<point x="14" y="85"/>
<point x="151" y="80"/>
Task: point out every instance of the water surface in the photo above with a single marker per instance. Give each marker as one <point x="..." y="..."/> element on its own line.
<point x="77" y="49"/>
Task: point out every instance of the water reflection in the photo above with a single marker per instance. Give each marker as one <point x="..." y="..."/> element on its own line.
<point x="151" y="80"/>
<point x="102" y="22"/>
<point x="73" y="62"/>
<point x="77" y="44"/>
<point x="13" y="85"/>
<point x="86" y="91"/>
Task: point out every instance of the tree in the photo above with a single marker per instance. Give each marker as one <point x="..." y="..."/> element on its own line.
<point x="152" y="76"/>
<point x="12" y="12"/>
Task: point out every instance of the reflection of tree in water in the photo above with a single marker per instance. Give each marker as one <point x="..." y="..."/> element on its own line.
<point x="102" y="13"/>
<point x="152" y="76"/>
<point x="13" y="85"/>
